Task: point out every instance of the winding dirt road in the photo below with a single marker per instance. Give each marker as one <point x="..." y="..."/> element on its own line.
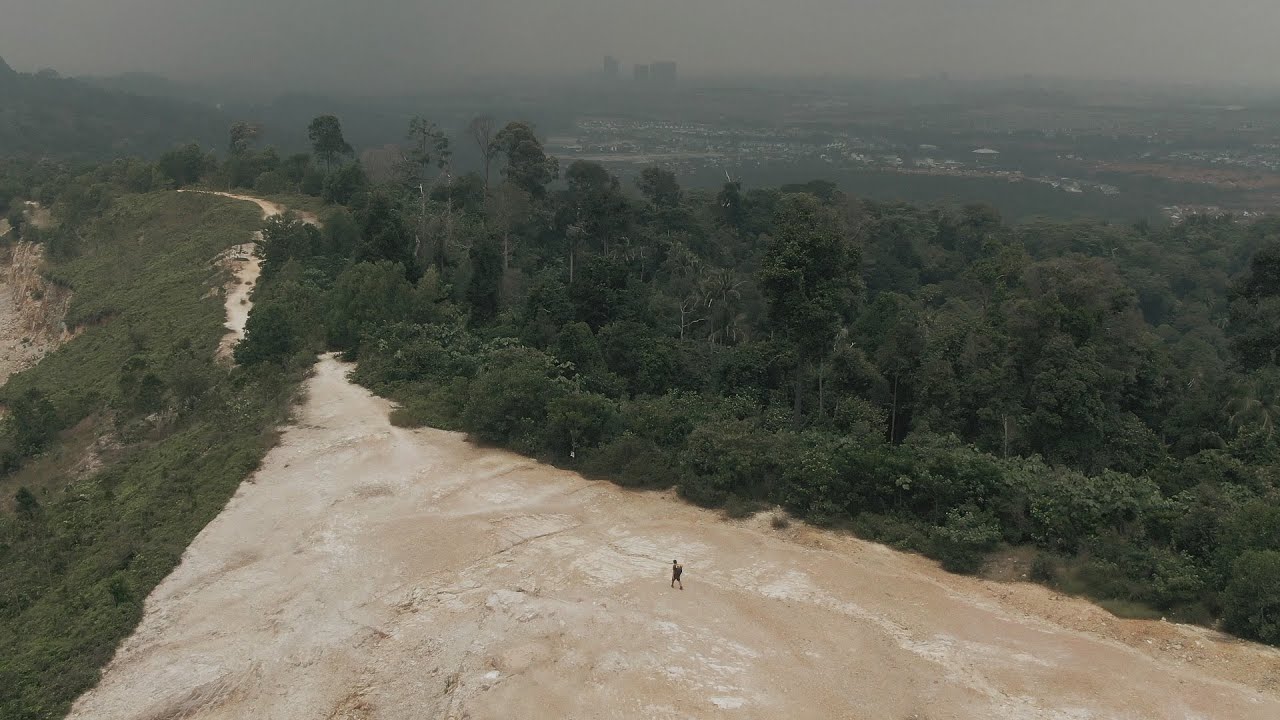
<point x="367" y="571"/>
<point x="245" y="269"/>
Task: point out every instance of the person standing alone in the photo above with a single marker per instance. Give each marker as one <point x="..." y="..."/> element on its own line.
<point x="676" y="570"/>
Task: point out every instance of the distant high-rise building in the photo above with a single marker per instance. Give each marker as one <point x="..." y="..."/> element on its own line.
<point x="641" y="73"/>
<point x="663" y="72"/>
<point x="612" y="69"/>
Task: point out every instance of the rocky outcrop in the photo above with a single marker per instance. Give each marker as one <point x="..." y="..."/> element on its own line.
<point x="32" y="310"/>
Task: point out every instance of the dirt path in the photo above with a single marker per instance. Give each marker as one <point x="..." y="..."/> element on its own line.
<point x="269" y="209"/>
<point x="245" y="269"/>
<point x="368" y="571"/>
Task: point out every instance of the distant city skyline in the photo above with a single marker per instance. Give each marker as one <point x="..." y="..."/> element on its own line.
<point x="659" y="71"/>
<point x="393" y="45"/>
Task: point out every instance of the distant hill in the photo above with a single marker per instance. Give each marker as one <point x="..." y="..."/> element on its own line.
<point x="146" y="84"/>
<point x="44" y="115"/>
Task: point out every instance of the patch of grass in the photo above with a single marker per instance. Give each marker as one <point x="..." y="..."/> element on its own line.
<point x="47" y="475"/>
<point x="779" y="521"/>
<point x="77" y="564"/>
<point x="896" y="532"/>
<point x="737" y="508"/>
<point x="418" y="406"/>
<point x="297" y="201"/>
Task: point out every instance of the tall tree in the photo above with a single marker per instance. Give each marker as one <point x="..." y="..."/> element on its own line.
<point x="1255" y="324"/>
<point x="241" y="137"/>
<point x="485" y="286"/>
<point x="428" y="149"/>
<point x="327" y="141"/>
<point x="659" y="187"/>
<point x="807" y="274"/>
<point x="528" y="165"/>
<point x="383" y="235"/>
<point x="597" y="207"/>
<point x="481" y="131"/>
<point x="730" y="205"/>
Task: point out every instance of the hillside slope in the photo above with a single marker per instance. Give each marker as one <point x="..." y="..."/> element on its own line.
<point x="132" y="438"/>
<point x="368" y="571"/>
<point x="47" y="116"/>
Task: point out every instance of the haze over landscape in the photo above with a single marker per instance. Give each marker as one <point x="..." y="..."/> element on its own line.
<point x="559" y="359"/>
<point x="404" y="45"/>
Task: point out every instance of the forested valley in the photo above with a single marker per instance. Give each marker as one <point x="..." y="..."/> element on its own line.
<point x="1097" y="399"/>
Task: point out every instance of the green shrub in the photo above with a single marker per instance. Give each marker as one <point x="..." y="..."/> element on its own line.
<point x="1067" y="507"/>
<point x="511" y="395"/>
<point x="738" y="508"/>
<point x="964" y="541"/>
<point x="31" y="423"/>
<point x="733" y="458"/>
<point x="1251" y="600"/>
<point x="1129" y="609"/>
<point x="270" y="336"/>
<point x="579" y="421"/>
<point x="895" y="531"/>
<point x="632" y="461"/>
<point x="271" y="183"/>
<point x="364" y="297"/>
<point x="813" y="484"/>
<point x="434" y="405"/>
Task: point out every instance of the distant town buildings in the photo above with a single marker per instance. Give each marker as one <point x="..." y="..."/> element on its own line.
<point x="655" y="74"/>
<point x="986" y="156"/>
<point x="663" y="73"/>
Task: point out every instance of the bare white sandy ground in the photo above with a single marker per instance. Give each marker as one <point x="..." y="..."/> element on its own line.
<point x="367" y="571"/>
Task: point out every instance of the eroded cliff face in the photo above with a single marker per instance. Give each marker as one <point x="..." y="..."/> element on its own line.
<point x="32" y="309"/>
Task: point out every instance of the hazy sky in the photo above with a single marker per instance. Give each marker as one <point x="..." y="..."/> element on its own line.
<point x="399" y="44"/>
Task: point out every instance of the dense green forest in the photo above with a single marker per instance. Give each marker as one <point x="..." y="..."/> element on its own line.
<point x="1101" y="397"/>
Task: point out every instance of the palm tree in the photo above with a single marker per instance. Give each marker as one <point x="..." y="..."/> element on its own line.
<point x="722" y="293"/>
<point x="1256" y="404"/>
